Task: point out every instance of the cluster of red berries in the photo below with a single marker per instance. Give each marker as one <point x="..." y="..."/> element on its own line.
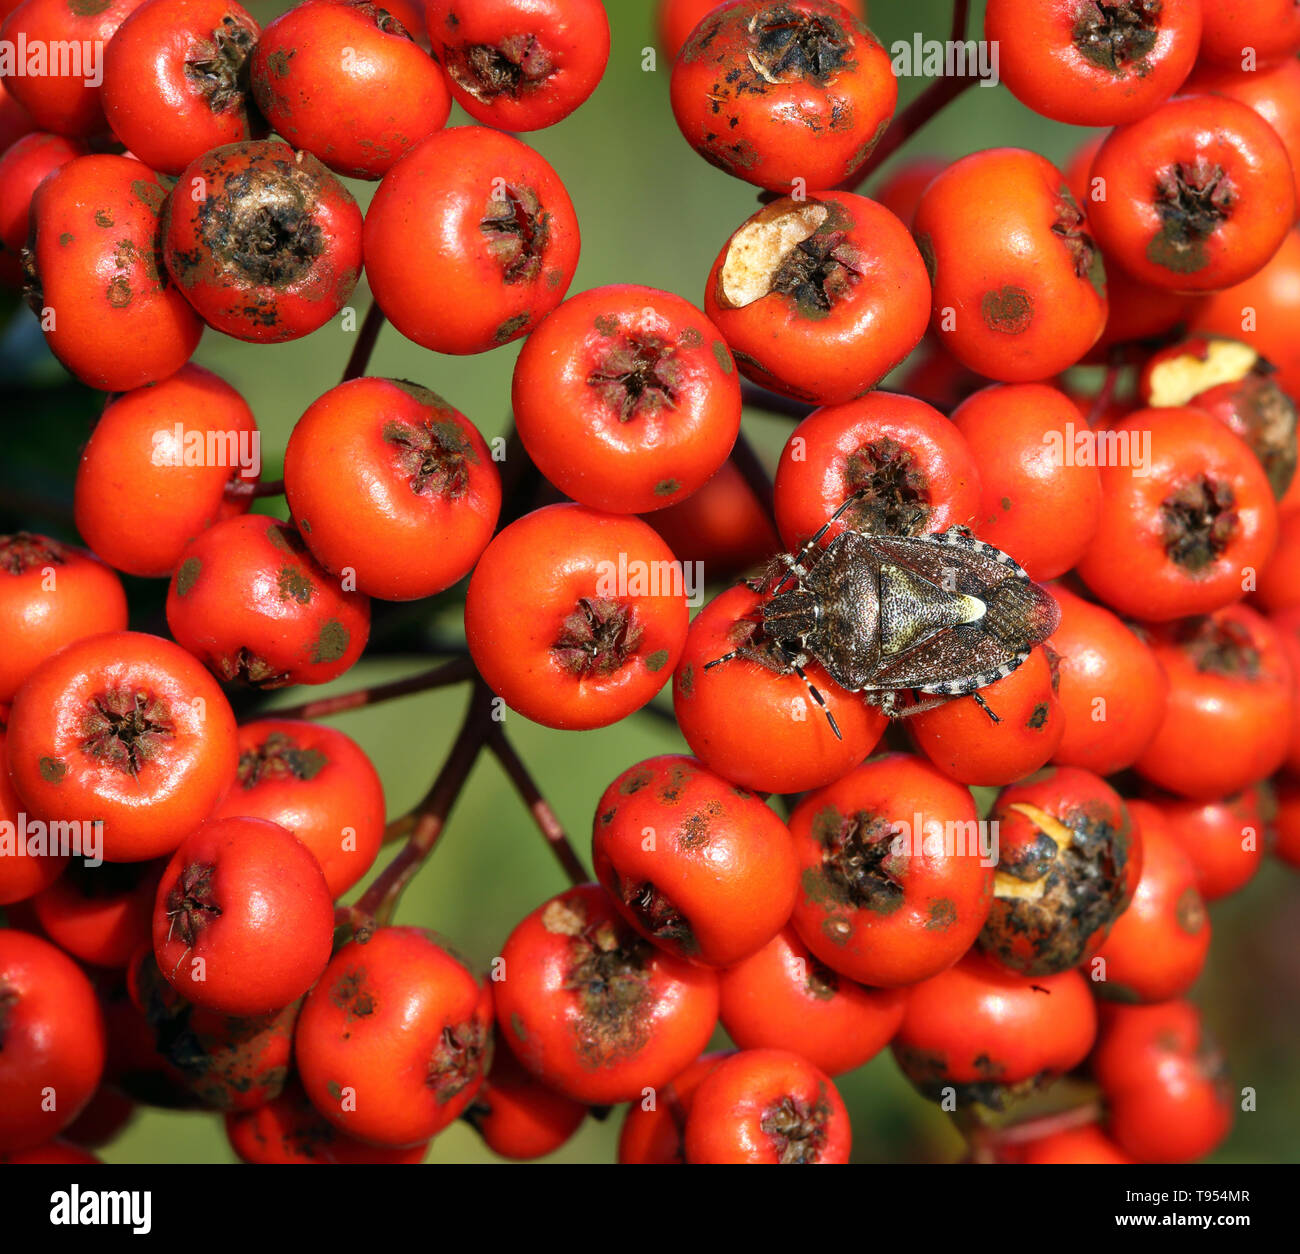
<point x="1134" y="751"/>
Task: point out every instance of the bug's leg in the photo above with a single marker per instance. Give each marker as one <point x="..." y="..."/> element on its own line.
<point x="928" y="702"/>
<point x="795" y="659"/>
<point x="984" y="705"/>
<point x="795" y="561"/>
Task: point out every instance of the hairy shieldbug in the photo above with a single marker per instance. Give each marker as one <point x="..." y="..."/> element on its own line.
<point x="943" y="614"/>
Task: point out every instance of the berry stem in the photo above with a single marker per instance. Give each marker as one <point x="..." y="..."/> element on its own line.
<point x="365" y="345"/>
<point x="442" y="676"/>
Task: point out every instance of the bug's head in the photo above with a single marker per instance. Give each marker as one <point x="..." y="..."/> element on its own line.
<point x="1021" y="614"/>
<point x="790" y="615"/>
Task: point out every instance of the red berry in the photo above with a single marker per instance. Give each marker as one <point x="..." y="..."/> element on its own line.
<point x="518" y="1117"/>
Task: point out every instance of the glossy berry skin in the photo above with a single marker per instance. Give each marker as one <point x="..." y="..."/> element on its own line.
<point x="1180" y="522"/>
<point x="21" y="876"/>
<point x="243" y="920"/>
<point x="1278" y="591"/>
<point x="819" y="298"/>
<point x="316" y="75"/>
<point x="767" y="1106"/>
<point x="774" y="92"/>
<point x="50" y="595"/>
<point x="1168" y="1095"/>
<point x="264" y="241"/>
<point x="127" y="728"/>
<point x="66" y="104"/>
<point x="959" y="739"/>
<point x="606" y="617"/>
<point x="1112" y="688"/>
<point x="1018" y="286"/>
<point x="784" y="998"/>
<point x="1271" y="28"/>
<point x="519" y="65"/>
<point x="593" y="1010"/>
<point x="1231" y="700"/>
<point x="1287" y="846"/>
<point x="162" y="464"/>
<point x="1068" y="862"/>
<point x="1224" y="838"/>
<point x="187" y="59"/>
<point x="22" y="167"/>
<point x="626" y="398"/>
<point x="1199" y="194"/>
<point x="1094" y="65"/>
<point x="894" y="887"/>
<point x="788" y="746"/>
<point x="316" y="782"/>
<point x="108" y="312"/>
<point x="917" y="468"/>
<point x="700" y="867"/>
<point x="101" y="915"/>
<point x="1158" y="946"/>
<point x="653" y="1128"/>
<point x="1041" y="499"/>
<point x="488" y="228"/>
<point x="423" y="496"/>
<point x="1287" y="622"/>
<point x="250" y="602"/>
<point x="518" y="1117"/>
<point x="1088" y="1144"/>
<point x="289" y="1129"/>
<point x="51" y="1037"/>
<point x="991" y="1034"/>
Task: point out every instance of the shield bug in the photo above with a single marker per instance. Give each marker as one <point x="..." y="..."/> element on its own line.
<point x="942" y="614"/>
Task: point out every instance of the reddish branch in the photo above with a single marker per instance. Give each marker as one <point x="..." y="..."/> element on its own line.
<point x="443" y="676"/>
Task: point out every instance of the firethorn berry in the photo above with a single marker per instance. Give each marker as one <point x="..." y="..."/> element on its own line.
<point x="424" y="490"/>
<point x="1231" y="701"/>
<point x="229" y="1062"/>
<point x="520" y="65"/>
<point x="783" y="998"/>
<point x="402" y="1026"/>
<point x="518" y="1117"/>
<point x="721" y="525"/>
<point x="50" y="595"/>
<point x="1186" y="509"/>
<point x="251" y="603"/>
<point x="51" y="1040"/>
<point x="1279" y="587"/>
<point x="1287" y="622"/>
<point x="1167" y="1092"/>
<point x="894" y="885"/>
<point x="1018" y="286"/>
<point x="783" y="93"/>
<point x="107" y="1114"/>
<point x="767" y="1106"/>
<point x="1041" y="493"/>
<point x="702" y="868"/>
<point x="100" y="914"/>
<point x="911" y="465"/>
<point x="1157" y="947"/>
<point x="606" y="618"/>
<point x="900" y="191"/>
<point x="1088" y="1144"/>
<point x="937" y="377"/>
<point x="67" y="102"/>
<point x="128" y="729"/>
<point x="1229" y="379"/>
<point x="22" y="167"/>
<point x="820" y="297"/>
<point x="675" y="19"/>
<point x="1137" y="312"/>
<point x="1199" y="194"/>
<point x="185" y="60"/>
<point x="289" y="1129"/>
<point x="109" y="312"/>
<point x="593" y="1010"/>
<point x="264" y="241"/>
<point x="959" y="739"/>
<point x="316" y="74"/>
<point x="470" y="241"/>
<point x="1225" y="838"/>
<point x="1094" y="64"/>
<point x="1068" y="862"/>
<point x="162" y="464"/>
<point x="1288" y="822"/>
<point x="653" y="1131"/>
<point x="1269" y="28"/>
<point x="626" y="398"/>
<point x="317" y="783"/>
<point x="1112" y="690"/>
<point x="788" y="745"/>
<point x="243" y="920"/>
<point x="992" y="1035"/>
<point x="134" y="1064"/>
<point x="23" y="872"/>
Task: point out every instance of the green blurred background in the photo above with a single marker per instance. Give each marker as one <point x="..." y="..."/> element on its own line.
<point x="651" y="212"/>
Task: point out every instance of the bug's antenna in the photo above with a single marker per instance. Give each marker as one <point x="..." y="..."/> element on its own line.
<point x="812" y="690"/>
<point x="984" y="705"/>
<point x="718" y="661"/>
<point x="812" y="542"/>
